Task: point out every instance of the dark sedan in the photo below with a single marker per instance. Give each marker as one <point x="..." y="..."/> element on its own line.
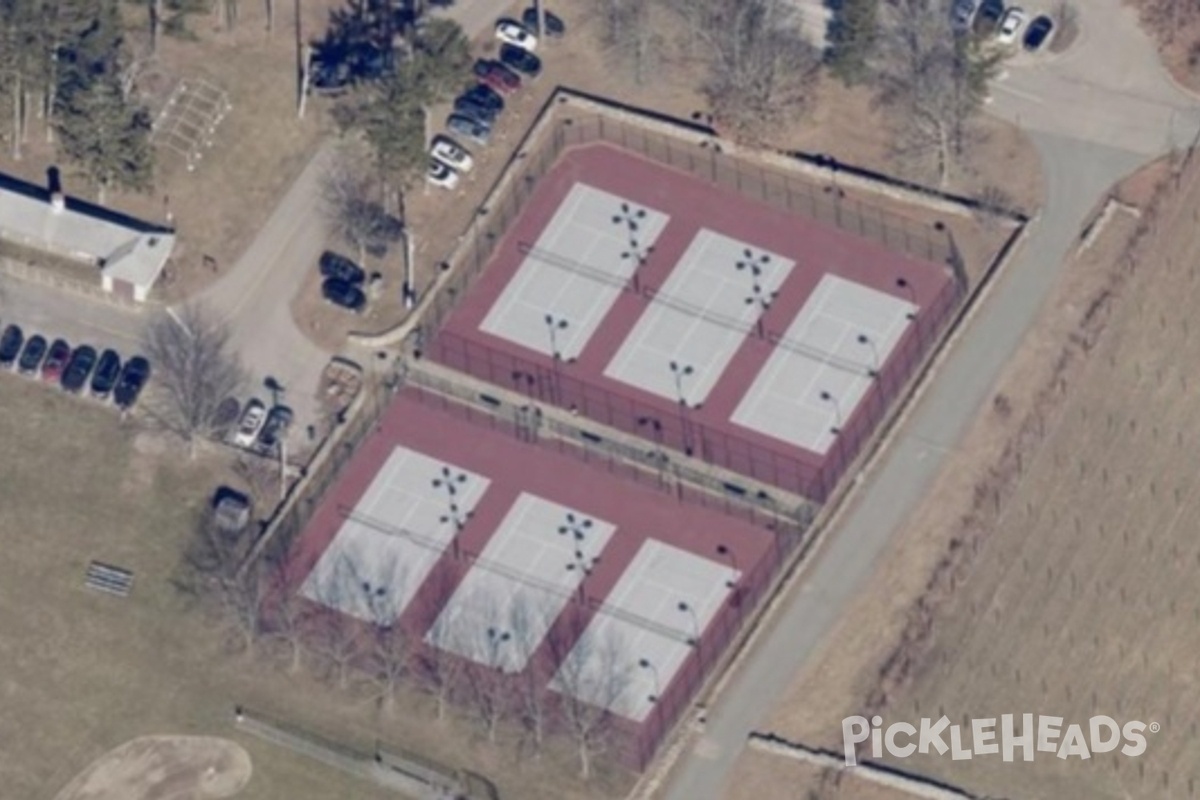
<point x="10" y="346"/>
<point x="276" y="426"/>
<point x="497" y="76"/>
<point x="477" y="111"/>
<point x="520" y="60"/>
<point x="1038" y="32"/>
<point x="79" y="369"/>
<point x="338" y="266"/>
<point x="56" y="359"/>
<point x="134" y="376"/>
<point x="30" y="362"/>
<point x="108" y="370"/>
<point x="343" y="294"/>
<point x="486" y="96"/>
<point x="554" y="26"/>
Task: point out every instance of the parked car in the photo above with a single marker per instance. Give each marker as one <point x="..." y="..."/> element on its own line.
<point x="441" y="175"/>
<point x="447" y="151"/>
<point x="276" y="427"/>
<point x="515" y="33"/>
<point x="1038" y="33"/>
<point x="253" y="417"/>
<point x="56" y="360"/>
<point x="467" y="107"/>
<point x="963" y="14"/>
<point x="520" y="60"/>
<point x="485" y="95"/>
<point x="554" y="26"/>
<point x="10" y="346"/>
<point x="344" y="294"/>
<point x="226" y="416"/>
<point x="334" y="265"/>
<point x="469" y="128"/>
<point x="497" y="76"/>
<point x="1010" y="26"/>
<point x="989" y="14"/>
<point x="30" y="362"/>
<point x="231" y="510"/>
<point x="108" y="370"/>
<point x="79" y="369"/>
<point x="134" y="377"/>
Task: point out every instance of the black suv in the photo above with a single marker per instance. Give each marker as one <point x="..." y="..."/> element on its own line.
<point x="108" y="369"/>
<point x="484" y="95"/>
<point x="10" y="345"/>
<point x="278" y="421"/>
<point x="344" y="294"/>
<point x="521" y="60"/>
<point x="477" y="111"/>
<point x="341" y="268"/>
<point x="79" y="368"/>
<point x="129" y="385"/>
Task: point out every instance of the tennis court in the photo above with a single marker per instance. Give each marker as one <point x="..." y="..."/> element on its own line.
<point x="391" y="539"/>
<point x="698" y="319"/>
<point x="555" y="311"/>
<point x="824" y="365"/>
<point x="529" y="570"/>
<point x="648" y="626"/>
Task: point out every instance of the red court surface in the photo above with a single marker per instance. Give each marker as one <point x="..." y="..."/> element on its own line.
<point x="638" y="510"/>
<point x="706" y="432"/>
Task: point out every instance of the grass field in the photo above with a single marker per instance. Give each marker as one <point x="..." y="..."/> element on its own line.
<point x="84" y="672"/>
<point x="1051" y="569"/>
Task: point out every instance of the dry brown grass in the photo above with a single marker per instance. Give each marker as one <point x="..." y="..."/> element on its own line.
<point x="1175" y="26"/>
<point x="760" y="775"/>
<point x="85" y="673"/>
<point x="1057" y="539"/>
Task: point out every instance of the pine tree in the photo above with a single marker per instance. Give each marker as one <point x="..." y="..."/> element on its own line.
<point x="100" y="130"/>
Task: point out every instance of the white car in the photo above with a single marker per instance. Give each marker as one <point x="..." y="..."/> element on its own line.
<point x="253" y="417"/>
<point x="441" y="175"/>
<point x="511" y="32"/>
<point x="449" y="153"/>
<point x="1010" y="26"/>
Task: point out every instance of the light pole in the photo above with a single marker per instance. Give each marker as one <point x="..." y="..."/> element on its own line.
<point x="451" y="481"/>
<point x="903" y="284"/>
<point x="837" y="412"/>
<point x="758" y="294"/>
<point x="725" y="552"/>
<point x="648" y="665"/>
<point x="630" y="219"/>
<point x="681" y="371"/>
<point x="867" y="341"/>
<point x="374" y="596"/>
<point x="686" y="608"/>
<point x="660" y="455"/>
<point x="496" y="639"/>
<point x="577" y="527"/>
<point x="554" y="324"/>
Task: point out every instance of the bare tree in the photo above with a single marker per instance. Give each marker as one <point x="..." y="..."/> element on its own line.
<point x="440" y="670"/>
<point x="934" y="82"/>
<point x="390" y="660"/>
<point x="332" y="632"/>
<point x="760" y="65"/>
<point x="629" y="35"/>
<point x="529" y="622"/>
<point x="348" y="195"/>
<point x="213" y="574"/>
<point x="194" y="370"/>
<point x="594" y="678"/>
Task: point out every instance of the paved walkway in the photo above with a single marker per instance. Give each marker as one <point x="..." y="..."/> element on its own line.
<point x="1095" y="114"/>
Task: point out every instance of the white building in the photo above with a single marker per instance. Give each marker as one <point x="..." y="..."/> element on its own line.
<point x="130" y="254"/>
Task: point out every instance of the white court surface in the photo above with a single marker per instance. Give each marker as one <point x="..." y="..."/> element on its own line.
<point x="530" y="568"/>
<point x="393" y="537"/>
<point x="630" y="651"/>
<point x="697" y="320"/>
<point x="820" y="371"/>
<point x="574" y="272"/>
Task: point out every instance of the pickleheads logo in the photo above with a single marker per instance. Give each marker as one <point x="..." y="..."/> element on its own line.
<point x="1037" y="734"/>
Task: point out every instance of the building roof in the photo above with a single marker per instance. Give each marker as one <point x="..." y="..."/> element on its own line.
<point x="125" y="248"/>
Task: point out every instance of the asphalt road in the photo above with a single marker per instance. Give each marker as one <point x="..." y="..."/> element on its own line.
<point x="1095" y="114"/>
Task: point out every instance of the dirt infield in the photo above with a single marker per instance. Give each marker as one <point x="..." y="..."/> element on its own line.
<point x="1049" y="569"/>
<point x="164" y="768"/>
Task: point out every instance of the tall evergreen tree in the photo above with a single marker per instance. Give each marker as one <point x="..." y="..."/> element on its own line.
<point x="103" y="133"/>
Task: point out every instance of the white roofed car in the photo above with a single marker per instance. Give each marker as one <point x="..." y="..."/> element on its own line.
<point x="515" y="33"/>
<point x="441" y="175"/>
<point x="1010" y="25"/>
<point x="449" y="153"/>
<point x="253" y="417"/>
